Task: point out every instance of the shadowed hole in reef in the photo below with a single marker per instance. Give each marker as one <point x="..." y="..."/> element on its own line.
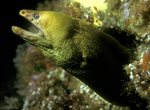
<point x="126" y="39"/>
<point x="129" y="40"/>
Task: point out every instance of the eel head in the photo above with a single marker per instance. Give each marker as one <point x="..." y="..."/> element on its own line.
<point x="53" y="28"/>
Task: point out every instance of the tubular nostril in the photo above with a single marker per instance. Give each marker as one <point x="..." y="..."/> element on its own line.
<point x="22" y="12"/>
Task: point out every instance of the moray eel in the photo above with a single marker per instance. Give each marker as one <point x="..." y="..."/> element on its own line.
<point x="81" y="49"/>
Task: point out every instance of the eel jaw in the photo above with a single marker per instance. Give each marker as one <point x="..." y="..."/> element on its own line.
<point x="37" y="39"/>
<point x="27" y="35"/>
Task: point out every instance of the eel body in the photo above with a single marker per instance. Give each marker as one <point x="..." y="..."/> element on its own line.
<point x="80" y="48"/>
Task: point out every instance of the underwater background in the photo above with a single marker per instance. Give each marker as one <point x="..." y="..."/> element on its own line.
<point x="29" y="81"/>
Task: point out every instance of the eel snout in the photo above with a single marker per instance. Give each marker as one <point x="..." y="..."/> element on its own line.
<point x="28" y="14"/>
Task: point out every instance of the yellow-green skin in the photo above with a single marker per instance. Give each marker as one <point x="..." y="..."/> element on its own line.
<point x="81" y="49"/>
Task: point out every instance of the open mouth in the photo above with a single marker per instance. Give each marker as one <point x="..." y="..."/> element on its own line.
<point x="29" y="31"/>
<point x="32" y="34"/>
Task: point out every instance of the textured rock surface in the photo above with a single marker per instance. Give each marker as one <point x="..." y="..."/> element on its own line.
<point x="40" y="83"/>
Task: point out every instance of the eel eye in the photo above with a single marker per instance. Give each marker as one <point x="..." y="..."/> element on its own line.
<point x="36" y="16"/>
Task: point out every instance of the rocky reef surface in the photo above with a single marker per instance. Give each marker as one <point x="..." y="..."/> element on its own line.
<point x="41" y="85"/>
